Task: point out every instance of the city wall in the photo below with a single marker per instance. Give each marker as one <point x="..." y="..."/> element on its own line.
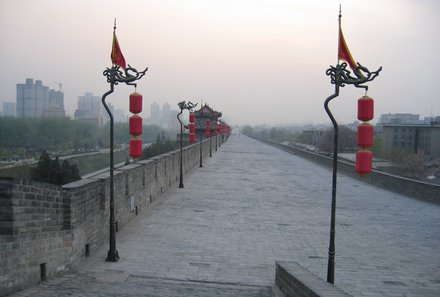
<point x="46" y="229"/>
<point x="413" y="188"/>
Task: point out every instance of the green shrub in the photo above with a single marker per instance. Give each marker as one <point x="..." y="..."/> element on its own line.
<point x="51" y="171"/>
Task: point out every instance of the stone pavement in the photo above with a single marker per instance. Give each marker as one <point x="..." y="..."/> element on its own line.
<point x="251" y="205"/>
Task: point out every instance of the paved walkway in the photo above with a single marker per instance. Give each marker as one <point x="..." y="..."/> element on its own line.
<point x="251" y="205"/>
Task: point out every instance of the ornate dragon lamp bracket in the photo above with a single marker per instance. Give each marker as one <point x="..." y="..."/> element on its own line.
<point x="115" y="75"/>
<point x="340" y="76"/>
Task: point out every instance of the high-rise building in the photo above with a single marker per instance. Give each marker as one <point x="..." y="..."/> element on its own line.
<point x="36" y="100"/>
<point x="9" y="109"/>
<point x="89" y="109"/>
<point x="155" y="113"/>
<point x="32" y="99"/>
<point x="166" y="111"/>
<point x="55" y="106"/>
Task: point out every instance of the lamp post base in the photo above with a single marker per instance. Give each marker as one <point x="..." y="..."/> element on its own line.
<point x="112" y="256"/>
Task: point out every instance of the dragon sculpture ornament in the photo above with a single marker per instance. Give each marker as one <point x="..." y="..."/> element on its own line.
<point x="340" y="76"/>
<point x="115" y="75"/>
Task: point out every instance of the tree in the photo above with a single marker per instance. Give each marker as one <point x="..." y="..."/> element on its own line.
<point x="347" y="140"/>
<point x="51" y="171"/>
<point x="409" y="164"/>
<point x="162" y="145"/>
<point x="248" y="131"/>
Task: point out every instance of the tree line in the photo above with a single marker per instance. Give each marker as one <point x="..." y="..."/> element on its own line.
<point x="31" y="136"/>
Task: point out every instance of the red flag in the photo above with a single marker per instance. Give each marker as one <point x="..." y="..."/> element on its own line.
<point x="344" y="52"/>
<point x="116" y="55"/>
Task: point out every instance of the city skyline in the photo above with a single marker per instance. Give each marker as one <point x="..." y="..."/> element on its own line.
<point x="259" y="62"/>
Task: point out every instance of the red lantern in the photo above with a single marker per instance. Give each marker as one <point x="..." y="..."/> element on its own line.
<point x="365" y="135"/>
<point x="215" y="128"/>
<point x="135" y="103"/>
<point x="192" y="128"/>
<point x="192" y="137"/>
<point x="135" y="147"/>
<point x="364" y="161"/>
<point x="365" y="109"/>
<point x="135" y="124"/>
<point x="192" y="117"/>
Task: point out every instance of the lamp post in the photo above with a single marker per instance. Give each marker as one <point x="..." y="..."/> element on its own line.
<point x="208" y="135"/>
<point x="340" y="76"/>
<point x="210" y="140"/>
<point x="216" y="134"/>
<point x="188" y="106"/>
<point x="114" y="76"/>
<point x="201" y="148"/>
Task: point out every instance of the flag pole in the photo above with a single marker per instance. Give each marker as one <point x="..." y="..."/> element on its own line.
<point x="115" y="76"/>
<point x="339" y="32"/>
<point x="340" y="77"/>
<point x="331" y="247"/>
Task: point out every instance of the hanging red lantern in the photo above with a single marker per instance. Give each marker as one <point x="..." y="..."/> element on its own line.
<point x="192" y="117"/>
<point x="364" y="161"/>
<point x="192" y="137"/>
<point x="365" y="109"/>
<point x="135" y="124"/>
<point x="215" y="128"/>
<point x="135" y="103"/>
<point x="135" y="147"/>
<point x="365" y="135"/>
<point x="192" y="128"/>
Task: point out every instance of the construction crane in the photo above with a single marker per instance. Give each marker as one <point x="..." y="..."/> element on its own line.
<point x="59" y="84"/>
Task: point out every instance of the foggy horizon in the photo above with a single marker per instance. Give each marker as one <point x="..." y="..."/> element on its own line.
<point x="258" y="62"/>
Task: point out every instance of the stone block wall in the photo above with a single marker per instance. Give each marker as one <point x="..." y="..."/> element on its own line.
<point x="45" y="229"/>
<point x="293" y="280"/>
<point x="34" y="238"/>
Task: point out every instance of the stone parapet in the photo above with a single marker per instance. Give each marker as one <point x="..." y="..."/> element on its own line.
<point x="293" y="280"/>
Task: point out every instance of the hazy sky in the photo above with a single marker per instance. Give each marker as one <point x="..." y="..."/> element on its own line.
<point x="257" y="61"/>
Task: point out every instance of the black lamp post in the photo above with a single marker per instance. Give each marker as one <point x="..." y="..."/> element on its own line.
<point x="210" y="140"/>
<point x="340" y="76"/>
<point x="189" y="106"/>
<point x="114" y="76"/>
<point x="216" y="134"/>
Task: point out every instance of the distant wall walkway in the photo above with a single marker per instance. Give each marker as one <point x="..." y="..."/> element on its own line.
<point x="406" y="186"/>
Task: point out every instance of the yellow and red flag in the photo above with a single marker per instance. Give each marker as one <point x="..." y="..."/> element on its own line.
<point x="116" y="55"/>
<point x="344" y="52"/>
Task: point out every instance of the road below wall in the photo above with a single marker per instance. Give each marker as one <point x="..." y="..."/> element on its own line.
<point x="251" y="205"/>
